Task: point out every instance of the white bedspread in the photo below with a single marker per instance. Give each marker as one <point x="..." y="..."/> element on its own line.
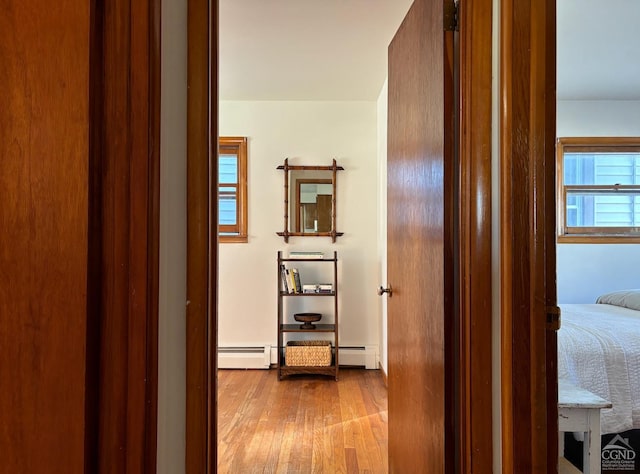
<point x="599" y="350"/>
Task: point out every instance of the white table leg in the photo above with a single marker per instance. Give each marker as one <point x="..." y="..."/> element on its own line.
<point x="579" y="410"/>
<point x="586" y="453"/>
<point x="591" y="448"/>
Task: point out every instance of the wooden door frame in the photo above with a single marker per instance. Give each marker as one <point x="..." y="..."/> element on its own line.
<point x="475" y="236"/>
<point x="527" y="240"/>
<point x="202" y="250"/>
<point x="123" y="235"/>
<point x="473" y="333"/>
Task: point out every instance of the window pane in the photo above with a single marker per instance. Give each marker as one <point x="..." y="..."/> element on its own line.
<point x="615" y="169"/>
<point x="574" y="205"/>
<point x="614" y="209"/>
<point x="228" y="209"/>
<point x="601" y="168"/>
<point x="228" y="169"/>
<point x="578" y="168"/>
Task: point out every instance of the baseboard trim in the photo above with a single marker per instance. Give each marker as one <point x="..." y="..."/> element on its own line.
<point x="230" y="357"/>
<point x="244" y="357"/>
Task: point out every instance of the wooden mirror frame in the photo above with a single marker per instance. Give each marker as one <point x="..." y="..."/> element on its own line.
<point x="334" y="168"/>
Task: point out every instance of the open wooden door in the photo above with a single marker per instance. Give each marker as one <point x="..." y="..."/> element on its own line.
<point x="420" y="230"/>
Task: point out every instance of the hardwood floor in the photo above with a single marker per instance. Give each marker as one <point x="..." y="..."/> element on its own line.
<point x="302" y="424"/>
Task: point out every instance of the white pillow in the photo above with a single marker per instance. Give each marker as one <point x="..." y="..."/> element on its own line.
<point x="625" y="298"/>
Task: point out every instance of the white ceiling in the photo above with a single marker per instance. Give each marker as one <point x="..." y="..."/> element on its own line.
<point x="306" y="49"/>
<point x="337" y="49"/>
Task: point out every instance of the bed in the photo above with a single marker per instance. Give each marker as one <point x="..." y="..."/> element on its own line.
<point x="599" y="350"/>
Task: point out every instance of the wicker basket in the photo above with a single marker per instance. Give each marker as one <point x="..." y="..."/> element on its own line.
<point x="308" y="353"/>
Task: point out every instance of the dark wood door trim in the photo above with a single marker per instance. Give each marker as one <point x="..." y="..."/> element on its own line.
<point x="202" y="263"/>
<point x="153" y="247"/>
<point x="527" y="252"/>
<point x="122" y="310"/>
<point x="474" y="332"/>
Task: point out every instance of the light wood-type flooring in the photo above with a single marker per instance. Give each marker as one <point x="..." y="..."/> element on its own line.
<point x="302" y="424"/>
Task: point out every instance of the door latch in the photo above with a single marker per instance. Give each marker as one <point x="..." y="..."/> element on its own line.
<point x="553" y="318"/>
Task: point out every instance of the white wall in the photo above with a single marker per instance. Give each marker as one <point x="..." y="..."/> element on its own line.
<point x="588" y="270"/>
<point x="308" y="133"/>
<point x="382" y="107"/>
<point x="598" y="118"/>
<point x="173" y="234"/>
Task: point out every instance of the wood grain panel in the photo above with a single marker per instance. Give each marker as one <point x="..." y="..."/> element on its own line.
<point x="115" y="229"/>
<point x="202" y="264"/>
<point x="44" y="142"/>
<point x="529" y="413"/>
<point x="475" y="236"/>
<point x="79" y="232"/>
<point x="420" y="236"/>
<point x="153" y="240"/>
<point x="143" y="161"/>
<point x="545" y="20"/>
<point x="126" y="199"/>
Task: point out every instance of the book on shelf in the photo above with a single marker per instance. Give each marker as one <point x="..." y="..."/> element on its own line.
<point x="292" y="281"/>
<point x="310" y="288"/>
<point x="320" y="288"/>
<point x="289" y="279"/>
<point x="306" y="255"/>
<point x="283" y="277"/>
<point x="296" y="280"/>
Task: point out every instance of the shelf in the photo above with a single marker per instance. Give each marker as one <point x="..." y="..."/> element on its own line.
<point x="296" y="328"/>
<point x="282" y="293"/>
<point x="293" y="370"/>
<point x="288" y="332"/>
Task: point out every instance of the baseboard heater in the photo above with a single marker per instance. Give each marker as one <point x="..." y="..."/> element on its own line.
<point x="244" y="357"/>
<point x="359" y="356"/>
<point x="266" y="356"/>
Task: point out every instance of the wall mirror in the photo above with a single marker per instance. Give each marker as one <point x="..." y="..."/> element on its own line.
<point x="310" y="201"/>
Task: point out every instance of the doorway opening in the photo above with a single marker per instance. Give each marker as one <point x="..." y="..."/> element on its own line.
<point x="304" y="83"/>
<point x="202" y="331"/>
<point x="596" y="121"/>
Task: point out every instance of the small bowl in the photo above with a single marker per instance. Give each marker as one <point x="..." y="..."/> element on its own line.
<point x="307" y="319"/>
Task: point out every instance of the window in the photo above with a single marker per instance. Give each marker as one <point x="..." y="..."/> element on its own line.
<point x="232" y="189"/>
<point x="599" y="190"/>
